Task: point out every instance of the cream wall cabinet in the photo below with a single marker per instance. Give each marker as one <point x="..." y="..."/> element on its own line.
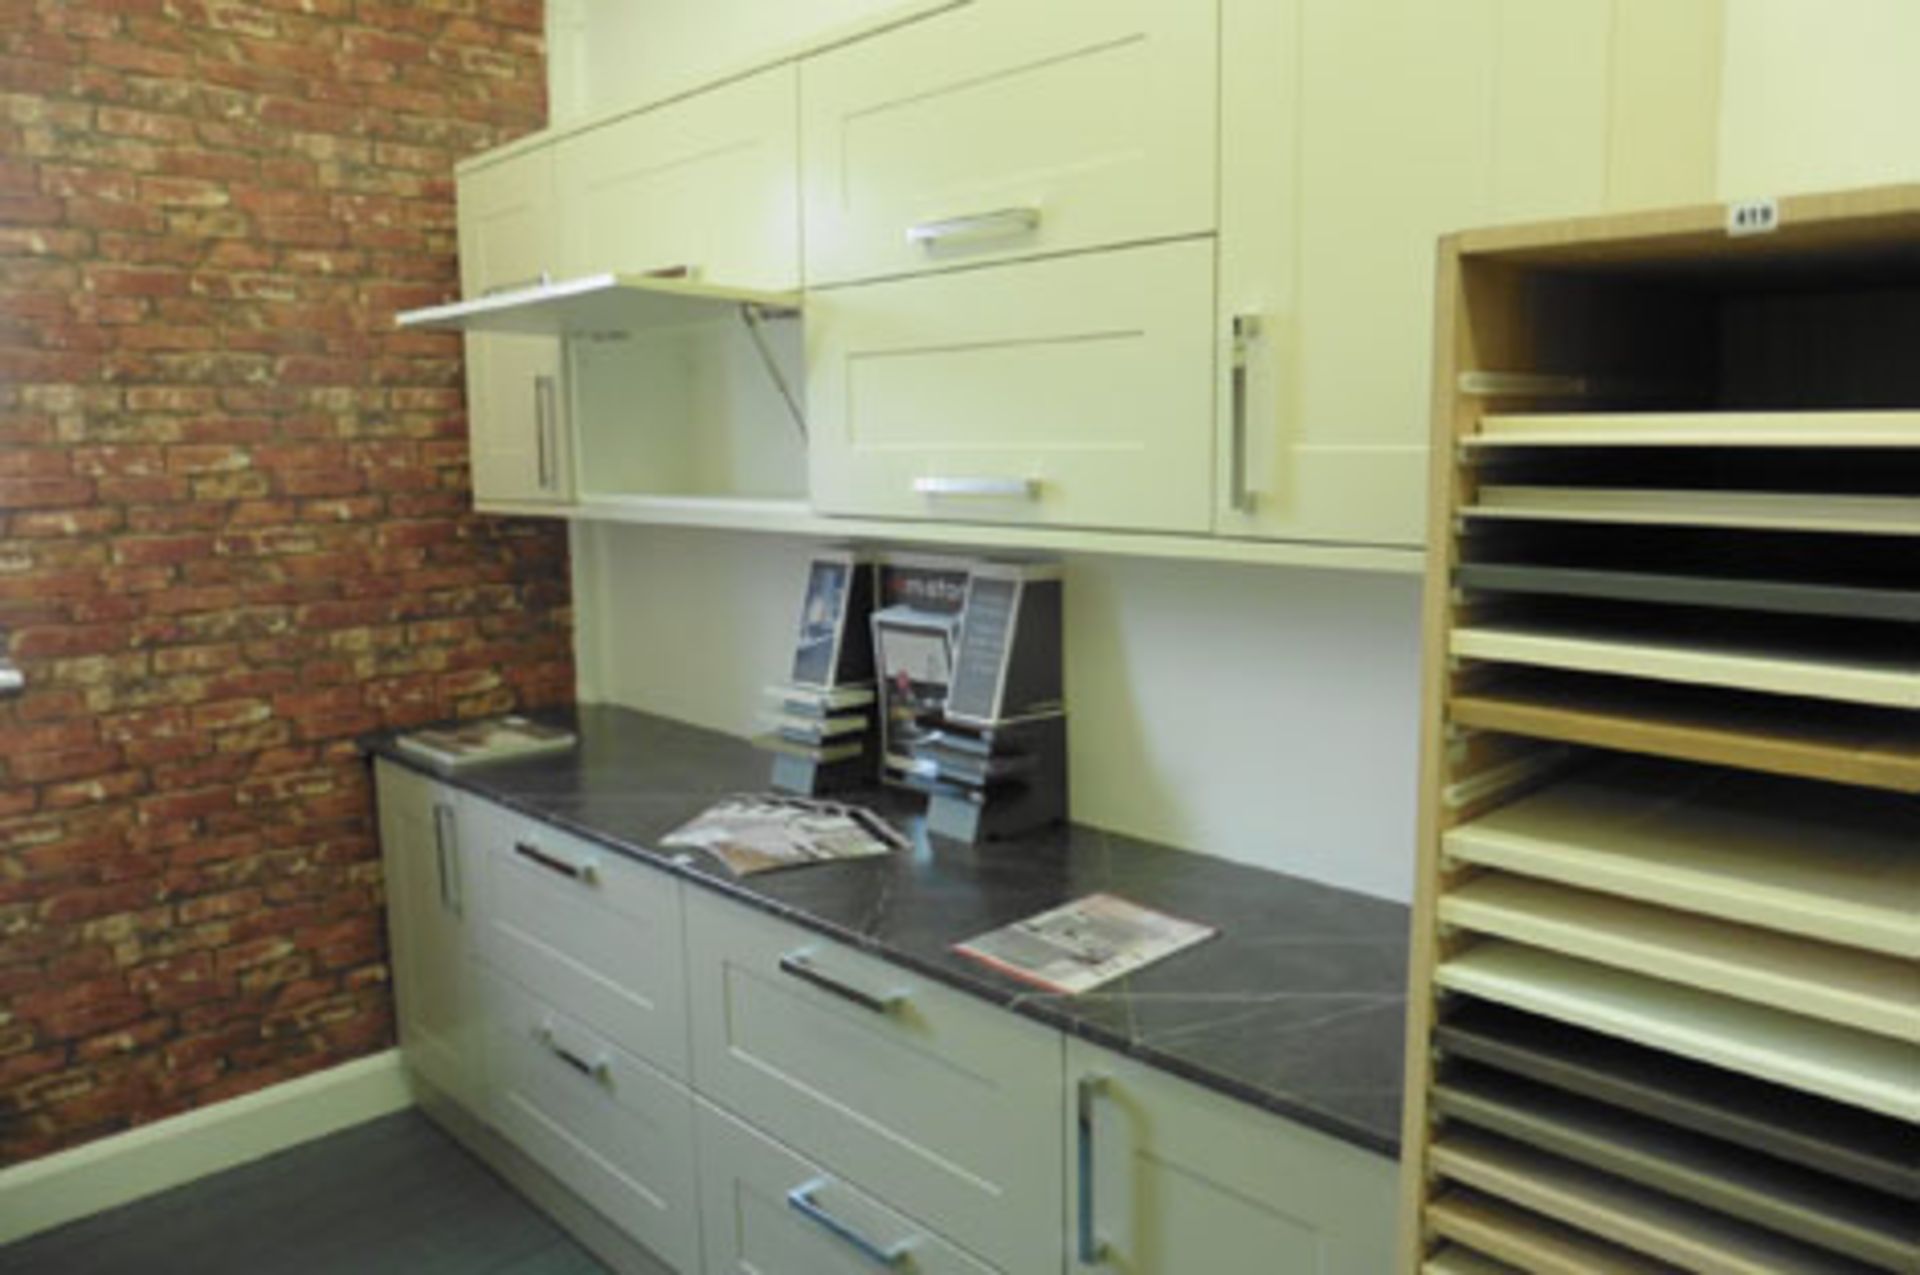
<point x="520" y="447"/>
<point x="1167" y="1179"/>
<point x="1003" y="130"/>
<point x="1070" y="392"/>
<point x="1355" y="134"/>
<point x="433" y="903"/>
<point x="709" y="184"/>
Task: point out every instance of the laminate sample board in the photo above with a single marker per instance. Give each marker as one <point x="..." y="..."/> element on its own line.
<point x="1879" y="674"/>
<point x="1536" y="1244"/>
<point x="1692" y="1237"/>
<point x="1841" y="865"/>
<point x="1836" y="1062"/>
<point x="1865" y="990"/>
<point x="1759" y="511"/>
<point x="1698" y="429"/>
<point x="1872" y="1150"/>
<point x="1454" y="1260"/>
<point x="1785" y="597"/>
<point x="1838" y="743"/>
<point x="1775" y="1194"/>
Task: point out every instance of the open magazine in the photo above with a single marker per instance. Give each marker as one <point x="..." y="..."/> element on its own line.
<point x="1085" y="944"/>
<point x="762" y="833"/>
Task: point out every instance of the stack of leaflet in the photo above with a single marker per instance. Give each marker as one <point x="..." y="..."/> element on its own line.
<point x="821" y="738"/>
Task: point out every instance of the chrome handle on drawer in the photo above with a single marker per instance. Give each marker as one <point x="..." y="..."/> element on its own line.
<point x="586" y="873"/>
<point x="599" y="1069"/>
<point x="542" y="280"/>
<point x="1002" y="223"/>
<point x="1091" y="1249"/>
<point x="801" y="1201"/>
<point x="542" y="426"/>
<point x="986" y="488"/>
<point x="446" y="859"/>
<point x="800" y="965"/>
<point x="1246" y="329"/>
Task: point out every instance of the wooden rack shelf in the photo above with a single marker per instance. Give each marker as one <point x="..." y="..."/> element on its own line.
<point x="1664" y="1007"/>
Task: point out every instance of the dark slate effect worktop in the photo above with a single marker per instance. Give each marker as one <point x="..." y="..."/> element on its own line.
<point x="1296" y="1007"/>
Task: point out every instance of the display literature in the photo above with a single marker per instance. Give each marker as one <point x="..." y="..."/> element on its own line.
<point x="1085" y="944"/>
<point x="496" y="739"/>
<point x="753" y="834"/>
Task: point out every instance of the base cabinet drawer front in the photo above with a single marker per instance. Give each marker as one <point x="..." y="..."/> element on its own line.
<point x="948" y="1105"/>
<point x="768" y="1211"/>
<point x="1167" y="1178"/>
<point x="709" y="182"/>
<point x="594" y="935"/>
<point x="1075" y="392"/>
<point x="1004" y="130"/>
<point x="614" y="1130"/>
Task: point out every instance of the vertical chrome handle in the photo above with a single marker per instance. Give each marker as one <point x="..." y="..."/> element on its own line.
<point x="1001" y="223"/>
<point x="1246" y="329"/>
<point x="542" y="420"/>
<point x="801" y="1200"/>
<point x="446" y="854"/>
<point x="1092" y="1250"/>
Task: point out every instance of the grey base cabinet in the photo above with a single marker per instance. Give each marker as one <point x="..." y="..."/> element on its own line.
<point x="729" y="1092"/>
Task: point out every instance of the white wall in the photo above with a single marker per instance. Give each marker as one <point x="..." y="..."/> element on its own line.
<point x="1261" y="714"/>
<point x="1819" y="95"/>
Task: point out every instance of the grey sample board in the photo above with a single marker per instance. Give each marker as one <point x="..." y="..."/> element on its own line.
<point x="1775" y="1194"/>
<point x="1873" y="1151"/>
<point x="1787" y="597"/>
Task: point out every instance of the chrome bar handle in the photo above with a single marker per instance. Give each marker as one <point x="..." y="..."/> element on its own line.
<point x="981" y="488"/>
<point x="1090" y="1249"/>
<point x="801" y="1200"/>
<point x="587" y="873"/>
<point x="598" y="1070"/>
<point x="1001" y="223"/>
<point x="446" y="855"/>
<point x="1246" y="330"/>
<point x="800" y="965"/>
<point x="542" y="418"/>
<point x="542" y="280"/>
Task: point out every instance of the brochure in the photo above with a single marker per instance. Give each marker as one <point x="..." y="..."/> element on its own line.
<point x="1085" y="944"/>
<point x="753" y="834"/>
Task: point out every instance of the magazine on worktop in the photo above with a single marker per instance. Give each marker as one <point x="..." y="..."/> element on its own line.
<point x="1085" y="944"/>
<point x="449" y="748"/>
<point x="751" y="834"/>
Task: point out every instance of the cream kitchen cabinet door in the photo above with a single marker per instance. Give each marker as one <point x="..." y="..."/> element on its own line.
<point x="1002" y="130"/>
<point x="1355" y="133"/>
<point x="1167" y="1179"/>
<point x="519" y="446"/>
<point x="708" y="184"/>
<point x="1074" y="392"/>
<point x="433" y="903"/>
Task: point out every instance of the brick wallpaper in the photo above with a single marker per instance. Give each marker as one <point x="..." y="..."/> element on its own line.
<point x="233" y="527"/>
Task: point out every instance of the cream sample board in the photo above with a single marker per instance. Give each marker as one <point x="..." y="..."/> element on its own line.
<point x="1263" y="716"/>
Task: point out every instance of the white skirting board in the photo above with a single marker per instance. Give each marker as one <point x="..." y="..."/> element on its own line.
<point x="54" y="1190"/>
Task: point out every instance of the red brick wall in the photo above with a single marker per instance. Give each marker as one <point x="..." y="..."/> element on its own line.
<point x="232" y="524"/>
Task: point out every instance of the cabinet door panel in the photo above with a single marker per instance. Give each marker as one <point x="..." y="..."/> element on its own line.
<point x="1095" y="116"/>
<point x="1187" y="1180"/>
<point x="1082" y="386"/>
<point x="509" y="237"/>
<point x="710" y="182"/>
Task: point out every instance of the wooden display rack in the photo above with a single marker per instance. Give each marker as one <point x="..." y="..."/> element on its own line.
<point x="1665" y="987"/>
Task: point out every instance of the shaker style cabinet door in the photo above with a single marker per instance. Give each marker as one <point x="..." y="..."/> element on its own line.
<point x="431" y="901"/>
<point x="1356" y="133"/>
<point x="1074" y="392"/>
<point x="1004" y="130"/>
<point x="516" y="395"/>
<point x="1167" y="1179"/>
<point x="708" y="184"/>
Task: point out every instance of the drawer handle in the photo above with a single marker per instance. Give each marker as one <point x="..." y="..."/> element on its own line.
<point x="598" y="1070"/>
<point x="799" y="965"/>
<point x="545" y="443"/>
<point x="446" y="859"/>
<point x="586" y="873"/>
<point x="542" y="280"/>
<point x="801" y="1201"/>
<point x="1002" y="223"/>
<point x="983" y="488"/>
<point x="1246" y="330"/>
<point x="1092" y="1249"/>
